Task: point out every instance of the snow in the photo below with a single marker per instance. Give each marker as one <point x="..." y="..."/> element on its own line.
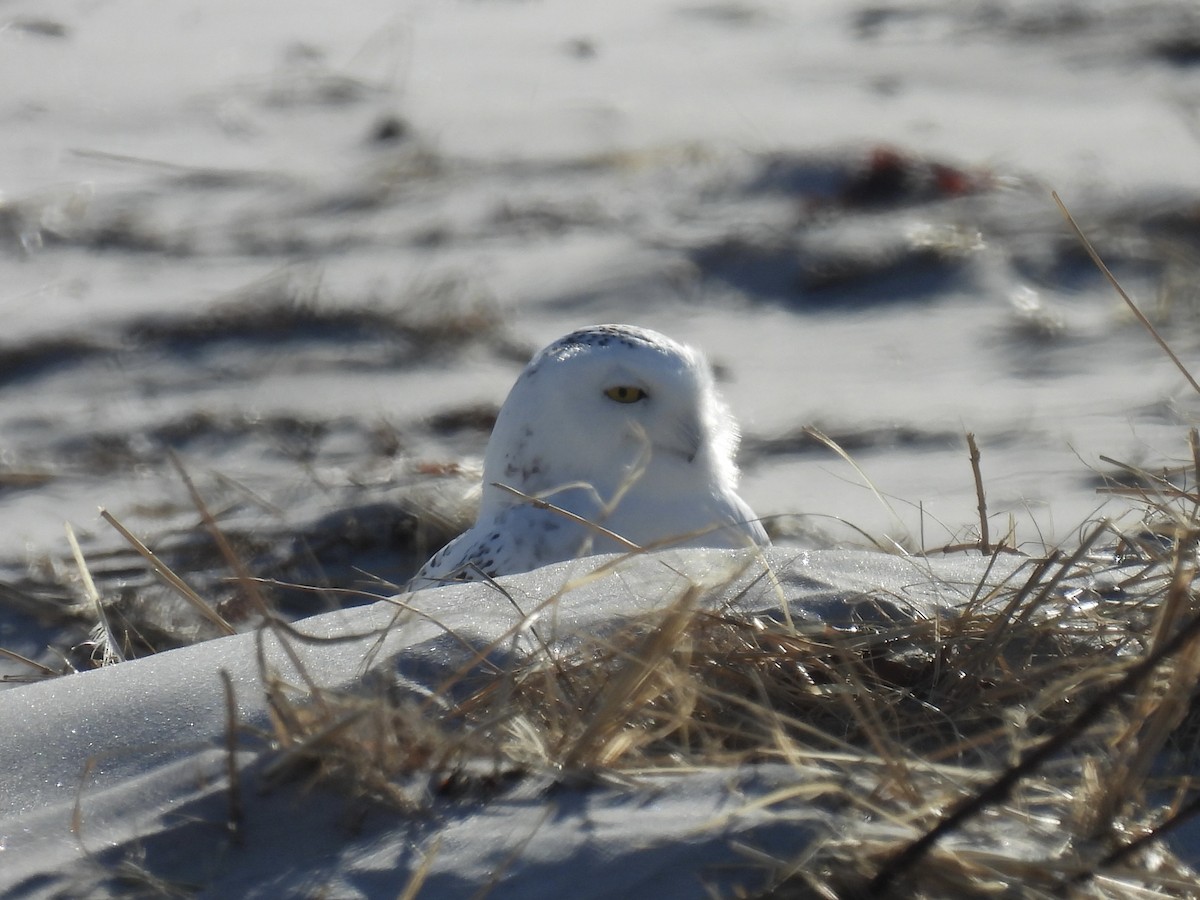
<point x="136" y="752"/>
<point x="568" y="164"/>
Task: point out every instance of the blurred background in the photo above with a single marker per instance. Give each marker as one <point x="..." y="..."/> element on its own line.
<point x="304" y="249"/>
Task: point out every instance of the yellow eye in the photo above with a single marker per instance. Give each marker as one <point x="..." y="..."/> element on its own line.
<point x="624" y="393"/>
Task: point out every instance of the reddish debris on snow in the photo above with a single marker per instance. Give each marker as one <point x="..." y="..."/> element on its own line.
<point x="891" y="176"/>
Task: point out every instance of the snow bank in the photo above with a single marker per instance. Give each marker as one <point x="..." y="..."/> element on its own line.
<point x="135" y="753"/>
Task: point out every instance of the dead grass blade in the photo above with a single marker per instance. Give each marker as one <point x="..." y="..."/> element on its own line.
<point x="112" y="648"/>
<point x="539" y="503"/>
<point x="1001" y="787"/>
<point x="164" y="571"/>
<point x="24" y="660"/>
<point x="246" y="582"/>
<point x="1138" y="314"/>
<point x="837" y="448"/>
<point x="600" y="742"/>
<point x="417" y="880"/>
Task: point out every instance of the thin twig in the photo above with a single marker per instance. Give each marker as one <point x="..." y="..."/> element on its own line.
<point x="979" y="495"/>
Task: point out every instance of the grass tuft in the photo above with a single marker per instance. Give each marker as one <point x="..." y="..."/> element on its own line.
<point x="1058" y="694"/>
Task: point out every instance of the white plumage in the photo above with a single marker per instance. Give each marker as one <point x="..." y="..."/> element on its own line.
<point x="620" y="426"/>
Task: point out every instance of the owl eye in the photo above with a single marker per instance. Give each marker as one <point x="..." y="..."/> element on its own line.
<point x="625" y="393"/>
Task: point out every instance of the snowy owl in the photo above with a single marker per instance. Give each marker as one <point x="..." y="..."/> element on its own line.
<point x="612" y="426"/>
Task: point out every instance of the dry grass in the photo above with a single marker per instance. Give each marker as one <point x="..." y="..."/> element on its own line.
<point x="1032" y="738"/>
<point x="1033" y="741"/>
<point x="1063" y="695"/>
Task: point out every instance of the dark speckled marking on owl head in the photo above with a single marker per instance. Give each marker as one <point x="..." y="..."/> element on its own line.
<point x="596" y="336"/>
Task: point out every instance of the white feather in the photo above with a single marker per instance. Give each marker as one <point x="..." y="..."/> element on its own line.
<point x="656" y="471"/>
